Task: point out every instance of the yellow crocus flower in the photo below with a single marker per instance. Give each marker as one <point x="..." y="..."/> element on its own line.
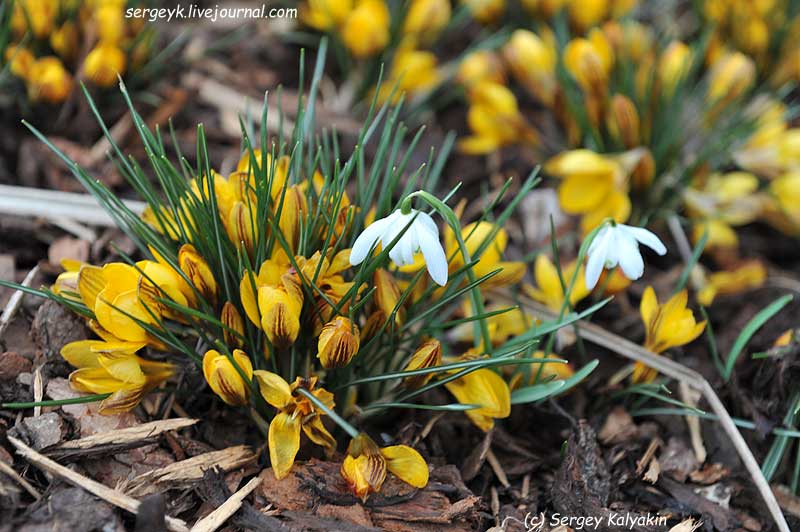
<point x="273" y="301"/>
<point x="486" y="11"/>
<point x="104" y="64"/>
<point x="495" y="120"/>
<point x="64" y="40"/>
<point x="20" y="60"/>
<point x="487" y="389"/>
<point x="338" y="343"/>
<point x="296" y="413"/>
<point x="586" y="13"/>
<point x="548" y="289"/>
<point x="721" y="203"/>
<point x="594" y="186"/>
<point x="786" y="190"/>
<point x="109" y="21"/>
<point x="666" y="325"/>
<point x="413" y="72"/>
<point x="746" y="276"/>
<point x="532" y="60"/>
<point x="222" y="376"/>
<point x="36" y="16"/>
<point x="481" y="65"/>
<point x="365" y="466"/>
<point x="112" y="293"/>
<point x="48" y="80"/>
<point x="325" y="15"/>
<point x="366" y="29"/>
<point x="425" y="19"/>
<point x="113" y="367"/>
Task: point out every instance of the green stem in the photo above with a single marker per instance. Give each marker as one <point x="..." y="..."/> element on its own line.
<point x="58" y="402"/>
<point x="347" y="427"/>
<point x="452" y="220"/>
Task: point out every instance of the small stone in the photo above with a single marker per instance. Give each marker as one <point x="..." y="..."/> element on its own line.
<point x="25" y="379"/>
<point x="44" y="430"/>
<point x="12" y="364"/>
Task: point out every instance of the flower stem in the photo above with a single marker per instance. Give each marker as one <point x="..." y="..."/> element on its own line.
<point x="452" y="220"/>
<point x="347" y="427"/>
<point x="58" y="402"/>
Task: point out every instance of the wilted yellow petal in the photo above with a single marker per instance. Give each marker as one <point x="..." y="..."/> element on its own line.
<point x="406" y="464"/>
<point x="284" y="442"/>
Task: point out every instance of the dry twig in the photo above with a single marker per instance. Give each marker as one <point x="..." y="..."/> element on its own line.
<point x="112" y="496"/>
<point x="217" y="518"/>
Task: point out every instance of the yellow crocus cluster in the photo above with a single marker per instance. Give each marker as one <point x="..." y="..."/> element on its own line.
<point x="761" y="29"/>
<point x="365" y="28"/>
<point x="64" y="26"/>
<point x="667" y="325"/>
<point x="363" y="25"/>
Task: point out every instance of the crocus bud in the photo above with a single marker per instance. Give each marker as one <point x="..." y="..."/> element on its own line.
<point x="730" y="77"/>
<point x="280" y="313"/>
<point x="241" y="226"/>
<point x="387" y="294"/>
<point x="223" y="377"/>
<point x="104" y="63"/>
<point x="533" y="63"/>
<point x="428" y="355"/>
<point x="366" y="30"/>
<point x="426" y="18"/>
<point x="230" y="318"/>
<point x="110" y="22"/>
<point x="338" y="343"/>
<point x="623" y="121"/>
<point x="589" y="62"/>
<point x="644" y="171"/>
<point x="673" y="66"/>
<point x="196" y="269"/>
<point x="291" y="214"/>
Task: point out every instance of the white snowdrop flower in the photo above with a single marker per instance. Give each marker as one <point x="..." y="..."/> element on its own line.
<point x="618" y="244"/>
<point x="422" y="235"/>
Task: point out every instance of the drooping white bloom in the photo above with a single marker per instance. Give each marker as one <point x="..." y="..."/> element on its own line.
<point x="422" y="235"/>
<point x="618" y="244"/>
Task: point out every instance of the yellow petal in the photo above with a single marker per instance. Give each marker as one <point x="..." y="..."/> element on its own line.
<point x="648" y="306"/>
<point x="338" y="343"/>
<point x="406" y="464"/>
<point x="91" y="280"/>
<point x="280" y="315"/>
<point x="123" y="400"/>
<point x="275" y="390"/>
<point x="486" y="388"/>
<point x="123" y="367"/>
<point x="284" y="442"/>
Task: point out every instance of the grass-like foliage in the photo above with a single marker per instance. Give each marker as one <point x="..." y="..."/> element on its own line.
<point x="251" y="277"/>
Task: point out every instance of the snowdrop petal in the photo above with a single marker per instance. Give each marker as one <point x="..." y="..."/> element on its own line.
<point x="630" y="260"/>
<point x="597" y="257"/>
<point x="647" y="238"/>
<point x="427" y="223"/>
<point x="365" y="241"/>
<point x="435" y="258"/>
